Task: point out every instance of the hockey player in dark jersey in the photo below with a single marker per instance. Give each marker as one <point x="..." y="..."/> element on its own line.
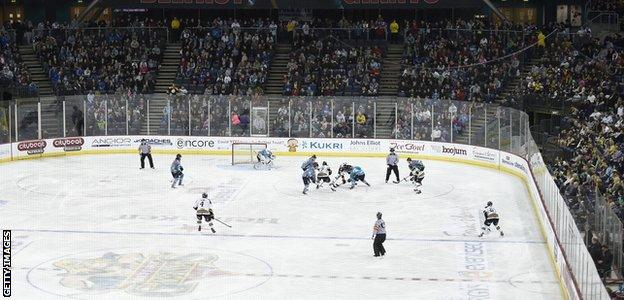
<point x="341" y="178"/>
<point x="308" y="173"/>
<point x="176" y="171"/>
<point x="491" y="218"/>
<point x="417" y="173"/>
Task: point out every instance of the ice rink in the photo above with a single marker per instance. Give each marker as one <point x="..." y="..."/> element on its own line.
<point x="97" y="227"/>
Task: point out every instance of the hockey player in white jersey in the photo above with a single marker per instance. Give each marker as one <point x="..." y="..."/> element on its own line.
<point x="491" y="218"/>
<point x="265" y="158"/>
<point x="203" y="208"/>
<point x="324" y="171"/>
<point x="417" y="173"/>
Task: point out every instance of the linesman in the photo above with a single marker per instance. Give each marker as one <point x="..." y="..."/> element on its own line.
<point x="145" y="150"/>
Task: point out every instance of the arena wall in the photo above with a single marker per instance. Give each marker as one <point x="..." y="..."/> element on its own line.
<point x="473" y="155"/>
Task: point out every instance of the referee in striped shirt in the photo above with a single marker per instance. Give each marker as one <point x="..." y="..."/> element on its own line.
<point x="145" y="150"/>
<point x="379" y="236"/>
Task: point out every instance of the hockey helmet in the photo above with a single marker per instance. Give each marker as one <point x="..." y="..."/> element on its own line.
<point x="409" y="159"/>
<point x="378" y="215"/>
<point x="324" y="163"/>
<point x="178" y="156"/>
<point x="313" y="156"/>
<point x="489" y="203"/>
<point x="391" y="149"/>
<point x="315" y="164"/>
<point x="204" y="195"/>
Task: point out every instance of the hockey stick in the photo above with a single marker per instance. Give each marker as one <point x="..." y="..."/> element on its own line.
<point x="222" y="222"/>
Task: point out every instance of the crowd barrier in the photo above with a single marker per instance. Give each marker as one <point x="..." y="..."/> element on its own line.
<point x="491" y="136"/>
<point x="577" y="281"/>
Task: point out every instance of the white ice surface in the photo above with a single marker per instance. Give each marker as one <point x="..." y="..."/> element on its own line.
<point x="97" y="227"/>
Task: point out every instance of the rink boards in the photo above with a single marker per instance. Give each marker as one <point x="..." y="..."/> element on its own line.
<point x="473" y="155"/>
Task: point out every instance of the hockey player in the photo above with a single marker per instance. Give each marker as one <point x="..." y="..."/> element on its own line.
<point x="491" y="218"/>
<point x="343" y="172"/>
<point x="417" y="173"/>
<point x="176" y="171"/>
<point x="265" y="157"/>
<point x="324" y="171"/>
<point x="308" y="173"/>
<point x="203" y="207"/>
<point x="357" y="174"/>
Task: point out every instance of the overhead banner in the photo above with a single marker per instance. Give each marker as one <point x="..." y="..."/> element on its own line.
<point x="289" y="4"/>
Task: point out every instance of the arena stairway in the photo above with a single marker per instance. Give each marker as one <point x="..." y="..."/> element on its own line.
<point x="275" y="83"/>
<point x="475" y="135"/>
<point x="168" y="68"/>
<point x="156" y="105"/>
<point x="385" y="117"/>
<point x="391" y="68"/>
<point x="35" y="69"/>
<point x="513" y="84"/>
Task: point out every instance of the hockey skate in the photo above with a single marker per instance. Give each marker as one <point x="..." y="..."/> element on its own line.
<point x="396" y="182"/>
<point x="501" y="234"/>
<point x="199" y="228"/>
<point x="417" y="191"/>
<point x="213" y="231"/>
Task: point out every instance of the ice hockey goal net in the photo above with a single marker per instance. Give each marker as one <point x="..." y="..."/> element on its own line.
<point x="245" y="153"/>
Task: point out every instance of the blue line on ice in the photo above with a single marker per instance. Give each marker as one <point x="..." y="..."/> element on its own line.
<point x="502" y="241"/>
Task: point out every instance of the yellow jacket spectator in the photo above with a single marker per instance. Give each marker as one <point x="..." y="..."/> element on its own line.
<point x="394" y="32"/>
<point x="175" y="23"/>
<point x="541" y="40"/>
<point x="394" y="27"/>
<point x="360" y="119"/>
<point x="291" y="26"/>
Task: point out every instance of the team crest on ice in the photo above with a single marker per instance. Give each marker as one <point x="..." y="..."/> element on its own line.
<point x="154" y="275"/>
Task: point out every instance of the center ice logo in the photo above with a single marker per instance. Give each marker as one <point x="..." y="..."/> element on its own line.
<point x="161" y="272"/>
<point x="161" y="275"/>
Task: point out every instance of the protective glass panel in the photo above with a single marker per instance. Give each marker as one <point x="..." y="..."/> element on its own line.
<point x="300" y="116"/>
<point x="442" y="113"/>
<point x="493" y="133"/>
<point x="179" y="115"/>
<point x="95" y="114"/>
<point x="259" y="117"/>
<point x="422" y="120"/>
<point x="75" y="115"/>
<point x="200" y="115"/>
<point x="403" y="128"/>
<point x="364" y="117"/>
<point x="219" y="115"/>
<point x="515" y="131"/>
<point x="505" y="128"/>
<point x="51" y="117"/>
<point x="477" y="124"/>
<point x="280" y="118"/>
<point x="27" y="120"/>
<point x="459" y="121"/>
<point x="117" y="114"/>
<point x="5" y="123"/>
<point x="240" y="116"/>
<point x="137" y="114"/>
<point x="321" y="117"/>
<point x="343" y="118"/>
